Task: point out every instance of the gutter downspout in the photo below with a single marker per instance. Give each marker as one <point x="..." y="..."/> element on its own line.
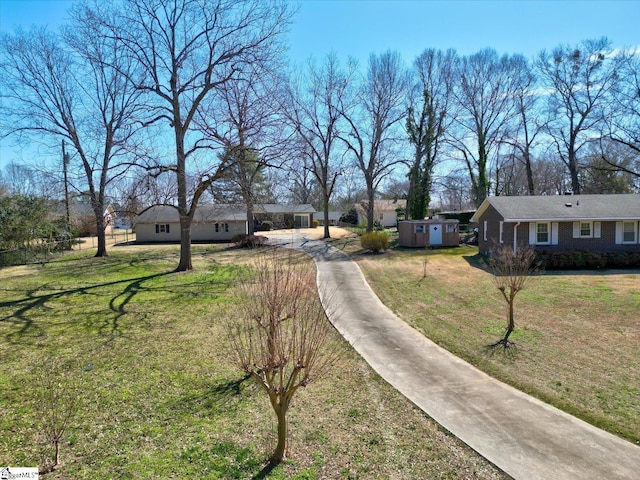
<point x="515" y="238"/>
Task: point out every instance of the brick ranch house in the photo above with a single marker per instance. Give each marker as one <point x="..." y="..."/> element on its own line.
<point x="598" y="223"/>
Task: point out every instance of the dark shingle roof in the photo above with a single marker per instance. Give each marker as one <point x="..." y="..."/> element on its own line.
<point x="564" y="207"/>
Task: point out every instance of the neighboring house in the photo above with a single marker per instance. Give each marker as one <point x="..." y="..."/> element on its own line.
<point x="83" y="219"/>
<point x="161" y="223"/>
<point x="285" y="216"/>
<point x="598" y="223"/>
<point x="334" y="218"/>
<point x="385" y="212"/>
<point x="437" y="232"/>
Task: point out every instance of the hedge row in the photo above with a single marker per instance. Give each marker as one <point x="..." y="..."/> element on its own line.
<point x="587" y="259"/>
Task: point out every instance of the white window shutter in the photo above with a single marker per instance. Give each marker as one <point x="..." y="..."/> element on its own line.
<point x="486" y="225"/>
<point x="532" y="233"/>
<point x="576" y="229"/>
<point x="554" y="233"/>
<point x="618" y="233"/>
<point x="501" y="232"/>
<point x="596" y="229"/>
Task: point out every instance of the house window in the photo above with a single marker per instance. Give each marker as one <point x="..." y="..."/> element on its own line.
<point x="419" y="229"/>
<point x="585" y="230"/>
<point x="484" y="230"/>
<point x="162" y="228"/>
<point x="221" y="227"/>
<point x="452" y="228"/>
<point x="628" y="232"/>
<point x="542" y="233"/>
<point x="501" y="232"/>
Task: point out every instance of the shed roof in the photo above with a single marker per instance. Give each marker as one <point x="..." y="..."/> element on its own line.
<point x="563" y="207"/>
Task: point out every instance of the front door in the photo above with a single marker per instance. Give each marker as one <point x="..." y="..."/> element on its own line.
<point x="435" y="234"/>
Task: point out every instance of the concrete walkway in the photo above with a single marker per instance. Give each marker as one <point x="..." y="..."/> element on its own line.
<point x="523" y="436"/>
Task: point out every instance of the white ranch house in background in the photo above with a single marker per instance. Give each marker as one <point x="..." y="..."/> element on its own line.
<point x="599" y="223"/>
<point x="215" y="223"/>
<point x="384" y="211"/>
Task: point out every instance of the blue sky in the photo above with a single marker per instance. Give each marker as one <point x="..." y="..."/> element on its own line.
<point x="360" y="27"/>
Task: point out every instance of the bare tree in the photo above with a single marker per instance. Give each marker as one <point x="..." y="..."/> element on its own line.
<point x="485" y="106"/>
<point x="581" y="79"/>
<point x="426" y="128"/>
<point x="302" y="183"/>
<point x="75" y="88"/>
<point x="186" y="51"/>
<point x="623" y="126"/>
<point x="313" y="110"/>
<point x="281" y="336"/>
<point x="598" y="175"/>
<point x="56" y="402"/>
<point x="374" y="131"/>
<point x="511" y="272"/>
<point x="528" y="124"/>
<point x="245" y="119"/>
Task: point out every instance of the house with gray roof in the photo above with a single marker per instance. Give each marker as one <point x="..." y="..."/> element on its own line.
<point x="285" y="215"/>
<point x="216" y="223"/>
<point x="161" y="223"/>
<point x="554" y="223"/>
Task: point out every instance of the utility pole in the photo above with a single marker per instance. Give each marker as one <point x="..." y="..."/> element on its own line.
<point x="65" y="161"/>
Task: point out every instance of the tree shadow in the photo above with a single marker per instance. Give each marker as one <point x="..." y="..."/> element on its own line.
<point x="265" y="472"/>
<point x="25" y="324"/>
<point x="210" y="396"/>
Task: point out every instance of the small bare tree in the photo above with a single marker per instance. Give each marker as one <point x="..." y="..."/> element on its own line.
<point x="511" y="272"/>
<point x="281" y="336"/>
<point x="56" y="404"/>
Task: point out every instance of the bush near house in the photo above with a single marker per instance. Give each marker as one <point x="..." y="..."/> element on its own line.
<point x="375" y="241"/>
<point x="243" y="240"/>
<point x="587" y="259"/>
<point x="266" y="226"/>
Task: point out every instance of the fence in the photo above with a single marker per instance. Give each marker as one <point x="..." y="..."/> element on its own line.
<point x="42" y="252"/>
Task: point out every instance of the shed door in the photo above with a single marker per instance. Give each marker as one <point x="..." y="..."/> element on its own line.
<point x="435" y="234"/>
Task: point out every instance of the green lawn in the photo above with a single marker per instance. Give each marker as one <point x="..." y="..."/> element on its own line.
<point x="142" y="351"/>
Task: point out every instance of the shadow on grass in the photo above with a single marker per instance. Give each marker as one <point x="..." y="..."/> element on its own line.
<point x="478" y="261"/>
<point x="265" y="472"/>
<point x="25" y="325"/>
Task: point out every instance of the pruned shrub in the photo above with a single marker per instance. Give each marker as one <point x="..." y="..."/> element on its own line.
<point x="375" y="241"/>
<point x="266" y="226"/>
<point x="316" y="223"/>
<point x="350" y="217"/>
<point x="243" y="240"/>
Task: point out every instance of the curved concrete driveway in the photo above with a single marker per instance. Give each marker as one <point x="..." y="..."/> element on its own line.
<point x="523" y="436"/>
